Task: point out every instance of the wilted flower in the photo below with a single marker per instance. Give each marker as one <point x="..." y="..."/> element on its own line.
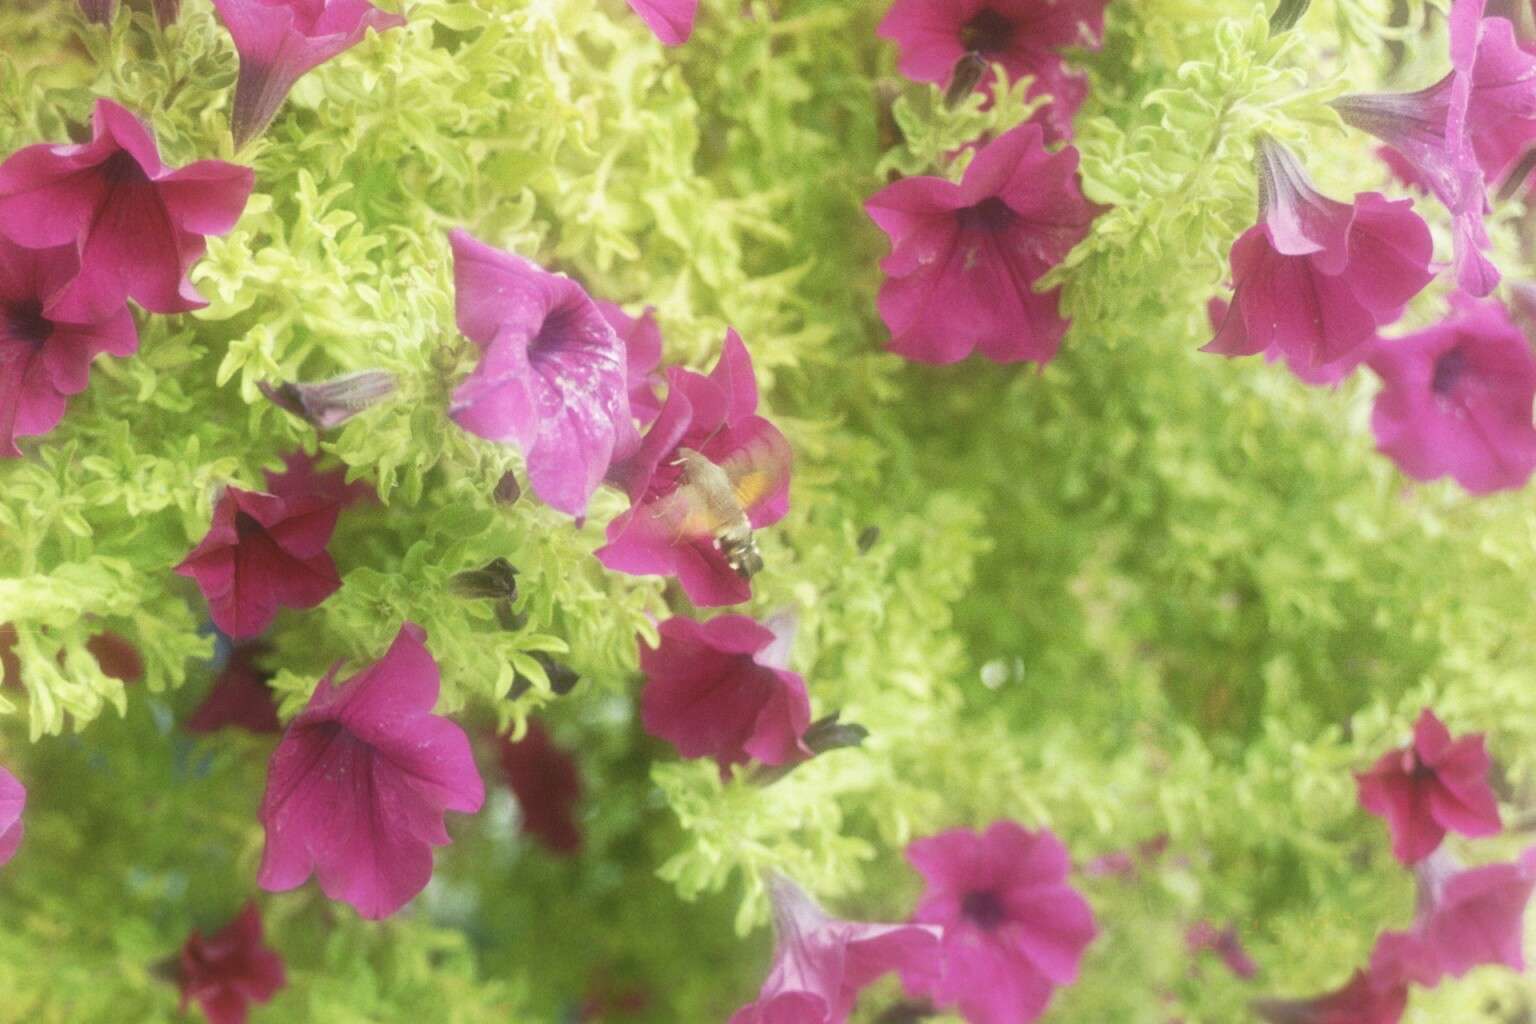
<point x="13" y="800"/>
<point x="1468" y="126"/>
<point x="1466" y="918"/>
<point x="1456" y="399"/>
<point x="166" y="12"/>
<point x="99" y="12"/>
<point x="642" y="348"/>
<point x="673" y="525"/>
<point x="671" y="20"/>
<point x="137" y="225"/>
<point x="1026" y="37"/>
<point x="1364" y="1000"/>
<point x="820" y="963"/>
<point x="263" y="552"/>
<point x="114" y="654"/>
<point x="1203" y="936"/>
<point x="710" y="693"/>
<point x="1433" y="786"/>
<point x="965" y="258"/>
<point x="1315" y="278"/>
<point x="330" y="403"/>
<point x="357" y="789"/>
<point x="279" y="41"/>
<point x="229" y="970"/>
<point x="547" y="783"/>
<point x="551" y="379"/>
<point x="1014" y="930"/>
<point x="45" y="354"/>
<point x="240" y="697"/>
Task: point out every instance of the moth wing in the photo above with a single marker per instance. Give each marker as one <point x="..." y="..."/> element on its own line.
<point x="687" y="512"/>
<point x="758" y="468"/>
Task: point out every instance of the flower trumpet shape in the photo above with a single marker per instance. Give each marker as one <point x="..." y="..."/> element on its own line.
<point x="280" y="41"/>
<point x="224" y="973"/>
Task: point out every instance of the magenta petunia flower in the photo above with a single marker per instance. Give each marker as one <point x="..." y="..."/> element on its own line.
<point x="642" y="348"/>
<point x="1432" y="786"/>
<point x="965" y="258"/>
<point x="280" y="41"/>
<point x="685" y="519"/>
<point x="137" y="225"/>
<point x="240" y="697"/>
<point x="1014" y="930"/>
<point x="551" y="379"/>
<point x="229" y="970"/>
<point x="46" y="353"/>
<point x="114" y="653"/>
<point x="671" y="20"/>
<point x="1466" y="128"/>
<point x="1314" y="279"/>
<point x="1456" y="399"/>
<point x="13" y="800"/>
<point x="302" y="478"/>
<point x="1466" y="918"/>
<point x="1026" y="37"/>
<point x="263" y="552"/>
<point x="714" y="690"/>
<point x="1205" y="937"/>
<point x="1364" y="1000"/>
<point x="547" y="783"/>
<point x="358" y="786"/>
<point x="820" y="963"/>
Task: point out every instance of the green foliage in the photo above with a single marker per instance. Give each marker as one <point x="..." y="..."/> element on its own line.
<point x="1143" y="591"/>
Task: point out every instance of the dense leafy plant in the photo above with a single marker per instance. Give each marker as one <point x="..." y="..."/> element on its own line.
<point x="1144" y="596"/>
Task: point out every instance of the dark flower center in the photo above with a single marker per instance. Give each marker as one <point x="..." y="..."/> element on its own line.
<point x="983" y="909"/>
<point x="987" y="33"/>
<point x="988" y="215"/>
<point x="1448" y="371"/>
<point x="24" y="321"/>
<point x="122" y="169"/>
<point x="246" y="526"/>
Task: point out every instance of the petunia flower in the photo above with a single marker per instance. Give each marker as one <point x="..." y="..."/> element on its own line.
<point x="670" y="20"/>
<point x="240" y="697"/>
<point x="1363" y="1000"/>
<point x="711" y="692"/>
<point x="551" y="379"/>
<point x="673" y="528"/>
<point x="547" y="783"/>
<point x="965" y="258"/>
<point x="137" y="225"/>
<point x="1432" y="786"/>
<point x="99" y="12"/>
<point x="13" y="800"/>
<point x="1462" y="131"/>
<point x="1026" y="37"/>
<point x="1456" y="399"/>
<point x="1014" y="930"/>
<point x="280" y="41"/>
<point x="263" y="552"/>
<point x="1203" y="936"/>
<point x="358" y="786"/>
<point x="1314" y="279"/>
<point x="1466" y="918"/>
<point x="302" y="478"/>
<point x="45" y="350"/>
<point x="229" y="970"/>
<point x="642" y="347"/>
<point x="821" y="963"/>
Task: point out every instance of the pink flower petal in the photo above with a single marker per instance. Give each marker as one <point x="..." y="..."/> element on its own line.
<point x="13" y="800"/>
